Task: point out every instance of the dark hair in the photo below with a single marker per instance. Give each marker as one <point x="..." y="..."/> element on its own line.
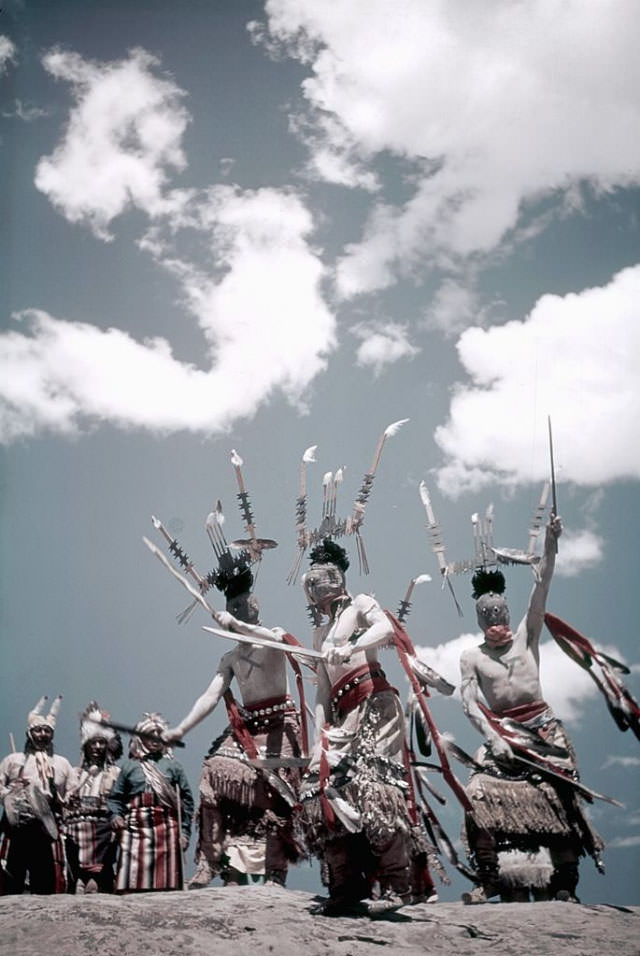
<point x="234" y="575"/>
<point x="485" y="582"/>
<point x="328" y="552"/>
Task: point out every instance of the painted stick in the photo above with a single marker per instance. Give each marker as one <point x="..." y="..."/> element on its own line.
<point x="536" y="523"/>
<point x="437" y="543"/>
<point x="554" y="497"/>
<point x="301" y="513"/>
<point x="405" y="604"/>
<point x="243" y="498"/>
<point x="128" y="729"/>
<point x="197" y="595"/>
<point x="181" y="556"/>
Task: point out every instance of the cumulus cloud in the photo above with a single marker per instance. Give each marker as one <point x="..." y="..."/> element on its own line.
<point x="123" y="137"/>
<point x="453" y="308"/>
<point x="382" y="344"/>
<point x="7" y="53"/>
<point x="567" y="687"/>
<point x="508" y="102"/>
<point x="265" y="326"/>
<point x="580" y="551"/>
<point x="573" y="357"/>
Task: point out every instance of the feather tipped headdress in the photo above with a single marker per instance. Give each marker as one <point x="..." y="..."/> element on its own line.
<point x="91" y="726"/>
<point x="37" y="718"/>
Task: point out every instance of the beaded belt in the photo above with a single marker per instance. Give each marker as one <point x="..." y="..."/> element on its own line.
<point x="264" y="711"/>
<point x="356" y="686"/>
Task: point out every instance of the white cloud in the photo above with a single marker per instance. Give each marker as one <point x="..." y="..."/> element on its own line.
<point x="265" y="327"/>
<point x="566" y="686"/>
<point x="7" y="53"/>
<point x="575" y="358"/>
<point x="445" y="658"/>
<point x="123" y="136"/>
<point x="509" y="101"/>
<point x="623" y="843"/>
<point x="243" y="261"/>
<point x="580" y="551"/>
<point x="614" y="761"/>
<point x="382" y="344"/>
<point x="453" y="308"/>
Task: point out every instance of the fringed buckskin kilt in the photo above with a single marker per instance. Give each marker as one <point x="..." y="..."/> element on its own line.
<point x="150" y="856"/>
<point x="357" y="770"/>
<point x="238" y="796"/>
<point x="524" y="809"/>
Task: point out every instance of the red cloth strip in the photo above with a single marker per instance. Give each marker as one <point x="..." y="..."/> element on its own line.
<point x="368" y="684"/>
<point x="405" y="649"/>
<point x="295" y="665"/>
<point x="239" y="727"/>
<point x="524" y="712"/>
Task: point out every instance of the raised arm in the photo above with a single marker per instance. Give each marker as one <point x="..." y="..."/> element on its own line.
<point x="232" y="623"/>
<point x="538" y="599"/>
<point x="206" y="703"/>
<point x="470" y="693"/>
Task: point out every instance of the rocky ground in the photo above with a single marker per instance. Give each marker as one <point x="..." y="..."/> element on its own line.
<point x="260" y="920"/>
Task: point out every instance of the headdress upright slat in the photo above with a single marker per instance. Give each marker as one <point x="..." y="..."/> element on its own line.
<point x="331" y="526"/>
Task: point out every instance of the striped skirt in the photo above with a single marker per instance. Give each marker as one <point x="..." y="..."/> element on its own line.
<point x="150" y="856"/>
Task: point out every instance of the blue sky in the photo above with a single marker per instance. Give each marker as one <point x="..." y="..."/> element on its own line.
<point x="270" y="226"/>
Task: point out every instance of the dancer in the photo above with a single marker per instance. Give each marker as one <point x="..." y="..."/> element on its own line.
<point x="245" y="815"/>
<point x="515" y="806"/>
<point x="354" y="799"/>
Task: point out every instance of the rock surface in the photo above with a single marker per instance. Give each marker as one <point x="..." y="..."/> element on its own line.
<point x="264" y="920"/>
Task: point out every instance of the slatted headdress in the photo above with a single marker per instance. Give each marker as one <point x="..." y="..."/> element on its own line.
<point x="331" y="526"/>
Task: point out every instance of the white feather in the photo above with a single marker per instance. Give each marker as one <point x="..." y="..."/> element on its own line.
<point x="310" y="453"/>
<point x="424" y="495"/>
<point x="236" y="460"/>
<point x="422" y="578"/>
<point x="391" y="430"/>
<point x="214" y="518"/>
<point x="339" y="475"/>
<point x="156" y="521"/>
<point x="474" y="517"/>
<point x="326" y="479"/>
